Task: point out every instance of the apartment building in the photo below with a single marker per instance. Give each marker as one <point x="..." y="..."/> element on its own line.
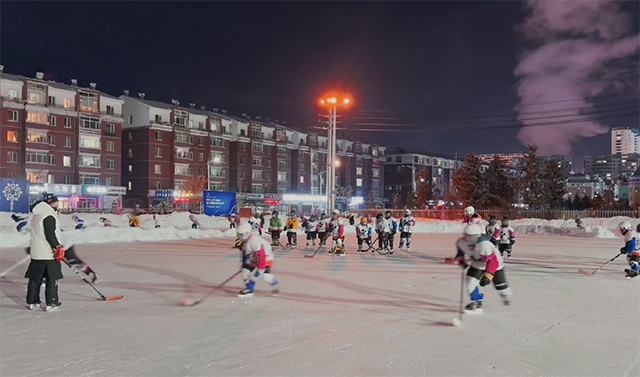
<point x="611" y="166"/>
<point x="625" y="140"/>
<point x="61" y="138"/>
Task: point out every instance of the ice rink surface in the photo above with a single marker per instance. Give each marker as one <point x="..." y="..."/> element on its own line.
<point x="359" y="315"/>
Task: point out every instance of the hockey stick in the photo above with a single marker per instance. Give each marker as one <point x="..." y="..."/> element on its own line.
<point x="585" y="272"/>
<point x="314" y="253"/>
<point x="189" y="302"/>
<point x="458" y="321"/>
<point x="14" y="266"/>
<point x="103" y="297"/>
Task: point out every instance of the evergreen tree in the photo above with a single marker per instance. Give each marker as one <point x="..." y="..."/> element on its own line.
<point x="424" y="189"/>
<point x="553" y="185"/>
<point x="468" y="181"/>
<point x="499" y="190"/>
<point x="576" y="204"/>
<point x="585" y="202"/>
<point x="532" y="181"/>
<point x="411" y="200"/>
<point x="396" y="200"/>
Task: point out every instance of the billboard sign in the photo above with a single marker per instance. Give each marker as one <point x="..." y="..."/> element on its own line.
<point x="14" y="195"/>
<point x="219" y="203"/>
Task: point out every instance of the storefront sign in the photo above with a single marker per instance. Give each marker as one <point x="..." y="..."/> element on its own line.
<point x="54" y="188"/>
<point x="164" y="193"/>
<point x="14" y="195"/>
<point x="219" y="203"/>
<point x="250" y="196"/>
<point x="116" y="190"/>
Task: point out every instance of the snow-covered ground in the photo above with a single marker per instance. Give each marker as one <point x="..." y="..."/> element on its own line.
<point x="359" y="315"/>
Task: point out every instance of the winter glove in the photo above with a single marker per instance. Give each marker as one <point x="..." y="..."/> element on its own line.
<point x="58" y="253"/>
<point x="460" y="259"/>
<point x="623" y="250"/>
<point x="513" y="241"/>
<point x="258" y="273"/>
<point x="486" y="279"/>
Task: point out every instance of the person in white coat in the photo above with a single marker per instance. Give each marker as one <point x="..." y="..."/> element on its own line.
<point x="46" y="253"/>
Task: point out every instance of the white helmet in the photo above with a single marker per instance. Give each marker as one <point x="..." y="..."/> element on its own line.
<point x="407" y="212"/>
<point x="624" y="226"/>
<point x="469" y="211"/>
<point x="336" y="213"/>
<point x="244" y="231"/>
<point x="472" y="233"/>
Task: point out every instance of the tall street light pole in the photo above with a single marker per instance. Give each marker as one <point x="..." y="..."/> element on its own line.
<point x="332" y="104"/>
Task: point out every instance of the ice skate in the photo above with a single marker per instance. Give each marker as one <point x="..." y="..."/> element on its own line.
<point x="248" y="290"/>
<point x="33" y="306"/>
<point x="474" y="307"/>
<point x="275" y="288"/>
<point x="630" y="273"/>
<point x="52" y="307"/>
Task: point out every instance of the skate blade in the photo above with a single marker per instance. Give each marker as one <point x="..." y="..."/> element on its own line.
<point x="249" y="295"/>
<point x="473" y="312"/>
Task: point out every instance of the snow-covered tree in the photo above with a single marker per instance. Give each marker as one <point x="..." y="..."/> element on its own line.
<point x="423" y="195"/>
<point x="468" y="181"/>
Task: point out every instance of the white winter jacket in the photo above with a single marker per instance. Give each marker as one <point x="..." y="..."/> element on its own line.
<point x="40" y="247"/>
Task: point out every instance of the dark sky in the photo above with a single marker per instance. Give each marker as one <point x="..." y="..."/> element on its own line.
<point x="430" y="65"/>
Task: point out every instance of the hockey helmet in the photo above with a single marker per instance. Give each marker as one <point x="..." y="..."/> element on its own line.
<point x="363" y="220"/>
<point x="274" y="213"/>
<point x="379" y="216"/>
<point x="472" y="233"/>
<point x="469" y="211"/>
<point x="49" y="198"/>
<point x="293" y="212"/>
<point x="244" y="231"/>
<point x="387" y="215"/>
<point x="492" y="220"/>
<point x="256" y="214"/>
<point x="505" y="221"/>
<point x="624" y="227"/>
<point x="313" y="218"/>
<point x="323" y="216"/>
<point x="336" y="213"/>
<point x="407" y="213"/>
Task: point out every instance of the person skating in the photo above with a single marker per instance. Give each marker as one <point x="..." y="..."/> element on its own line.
<point x="256" y="223"/>
<point x="21" y="220"/>
<point x="46" y="252"/>
<point x="406" y="229"/>
<point x="363" y="233"/>
<point x="79" y="222"/>
<point x="292" y="230"/>
<point x="72" y="257"/>
<point x="106" y="222"/>
<point x="257" y="260"/>
<point x="631" y="248"/>
<point x="393" y="227"/>
<point x="323" y="229"/>
<point x="492" y="230"/>
<point x="275" y="227"/>
<point x="194" y="222"/>
<point x="134" y="221"/>
<point x="471" y="217"/>
<point x="485" y="266"/>
<point x="383" y="230"/>
<point x="507" y="237"/>
<point x="336" y="228"/>
<point x="311" y="229"/>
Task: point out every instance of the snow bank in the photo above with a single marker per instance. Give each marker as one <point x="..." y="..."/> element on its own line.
<point x="177" y="226"/>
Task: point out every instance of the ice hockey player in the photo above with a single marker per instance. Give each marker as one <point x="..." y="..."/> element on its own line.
<point x="79" y="222"/>
<point x="275" y="227"/>
<point x="393" y="226"/>
<point x="363" y="233"/>
<point x="492" y="230"/>
<point x="134" y="221"/>
<point x="507" y="237"/>
<point x="194" y="222"/>
<point x="73" y="259"/>
<point x="292" y="229"/>
<point x="406" y="229"/>
<point x="256" y="223"/>
<point x="311" y="229"/>
<point x="107" y="222"/>
<point x="257" y="260"/>
<point x="46" y="253"/>
<point x="21" y="220"/>
<point x="471" y="217"/>
<point x="323" y="228"/>
<point x="579" y="223"/>
<point x="631" y="248"/>
<point x="336" y="228"/>
<point x="485" y="266"/>
<point x="383" y="230"/>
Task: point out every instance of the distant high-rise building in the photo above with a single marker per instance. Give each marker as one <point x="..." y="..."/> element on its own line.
<point x="611" y="166"/>
<point x="625" y="140"/>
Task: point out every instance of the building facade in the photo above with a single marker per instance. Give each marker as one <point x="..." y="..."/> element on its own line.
<point x="611" y="166"/>
<point x="625" y="140"/>
<point x="64" y="135"/>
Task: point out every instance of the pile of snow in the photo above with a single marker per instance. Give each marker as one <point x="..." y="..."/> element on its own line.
<point x="177" y="226"/>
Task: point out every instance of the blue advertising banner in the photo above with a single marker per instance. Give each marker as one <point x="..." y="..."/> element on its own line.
<point x="14" y="195"/>
<point x="219" y="203"/>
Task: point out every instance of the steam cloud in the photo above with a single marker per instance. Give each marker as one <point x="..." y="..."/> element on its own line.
<point x="577" y="50"/>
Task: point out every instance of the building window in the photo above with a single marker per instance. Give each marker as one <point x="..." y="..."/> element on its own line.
<point x="180" y="118"/>
<point x="13" y="156"/>
<point x="111" y="146"/>
<point x="158" y="185"/>
<point x="66" y="161"/>
<point x="158" y="152"/>
<point x="190" y="171"/>
<point x="158" y="136"/>
<point x="282" y="164"/>
<point x="67" y="122"/>
<point x="67" y="179"/>
<point x="243" y="147"/>
<point x="89" y="179"/>
<point x="157" y="169"/>
<point x="256" y="174"/>
<point x="67" y="141"/>
<point x="158" y="118"/>
<point x="37" y="136"/>
<point x="109" y="110"/>
<point x="282" y="177"/>
<point x="200" y="156"/>
<point x="88" y="102"/>
<point x="181" y="169"/>
<point x="52" y="140"/>
<point x="191" y="156"/>
<point x="282" y="190"/>
<point x="111" y="164"/>
<point x="88" y="160"/>
<point x="242" y="160"/>
<point x="256" y="189"/>
<point x="358" y="171"/>
<point x="257" y="161"/>
<point x="13" y="94"/>
<point x="37" y="117"/>
<point x="12" y="136"/>
<point x="268" y="163"/>
<point x="218" y="173"/>
<point x="282" y="150"/>
<point x="111" y="181"/>
<point x="91" y="142"/>
<point x="51" y="178"/>
<point x="52" y="120"/>
<point x="67" y="103"/>
<point x="243" y="175"/>
<point x="257" y="147"/>
<point x="201" y="171"/>
<point x="36" y="93"/>
<point x="359" y="182"/>
<point x="111" y="129"/>
<point x="37" y="157"/>
<point x="217" y="142"/>
<point x="182" y="137"/>
<point x="13" y="116"/>
<point x="130" y="169"/>
<point x="90" y="123"/>
<point x="130" y="122"/>
<point x="201" y="140"/>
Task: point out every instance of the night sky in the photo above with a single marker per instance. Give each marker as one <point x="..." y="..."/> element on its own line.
<point x="443" y="77"/>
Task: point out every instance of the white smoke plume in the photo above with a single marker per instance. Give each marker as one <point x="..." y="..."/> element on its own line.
<point x="576" y="50"/>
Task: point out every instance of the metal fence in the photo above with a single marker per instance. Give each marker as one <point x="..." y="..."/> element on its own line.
<point x="514" y="213"/>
